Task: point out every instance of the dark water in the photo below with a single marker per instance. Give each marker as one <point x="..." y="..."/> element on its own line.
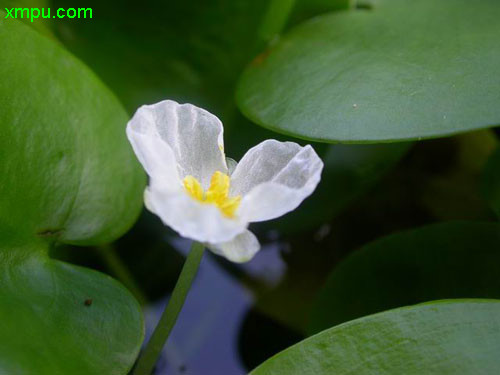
<point x="206" y="336"/>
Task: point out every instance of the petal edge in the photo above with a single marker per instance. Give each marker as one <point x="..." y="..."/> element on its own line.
<point x="274" y="178"/>
<point x="239" y="250"/>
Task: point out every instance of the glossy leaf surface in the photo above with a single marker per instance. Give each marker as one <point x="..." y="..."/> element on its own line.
<point x="402" y="70"/>
<point x="68" y="176"/>
<point x="445" y="338"/>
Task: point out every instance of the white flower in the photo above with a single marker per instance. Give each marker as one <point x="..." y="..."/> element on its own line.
<point x="194" y="190"/>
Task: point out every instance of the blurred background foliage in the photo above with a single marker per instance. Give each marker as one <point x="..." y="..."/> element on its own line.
<point x="195" y="51"/>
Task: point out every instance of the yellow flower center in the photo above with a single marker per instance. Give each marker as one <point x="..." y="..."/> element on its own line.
<point x="217" y="194"/>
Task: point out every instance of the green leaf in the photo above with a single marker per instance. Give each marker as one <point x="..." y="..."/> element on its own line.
<point x="440" y="338"/>
<point x="447" y="260"/>
<point x="403" y="70"/>
<point x="491" y="182"/>
<point x="63" y="146"/>
<point x="60" y="319"/>
<point x="71" y="177"/>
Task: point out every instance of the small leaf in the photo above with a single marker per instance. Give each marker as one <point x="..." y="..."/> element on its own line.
<point x="305" y="9"/>
<point x="402" y="70"/>
<point x="447" y="260"/>
<point x="439" y="338"/>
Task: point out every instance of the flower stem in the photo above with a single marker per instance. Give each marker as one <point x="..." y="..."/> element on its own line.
<point x="150" y="355"/>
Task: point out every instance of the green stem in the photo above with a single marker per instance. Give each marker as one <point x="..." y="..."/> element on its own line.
<point x="275" y="19"/>
<point x="150" y="355"/>
<point x="121" y="272"/>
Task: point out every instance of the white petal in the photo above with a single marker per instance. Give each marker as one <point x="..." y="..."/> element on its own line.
<point x="274" y="178"/>
<point x="192" y="219"/>
<point x="241" y="249"/>
<point x="193" y="136"/>
<point x="156" y="157"/>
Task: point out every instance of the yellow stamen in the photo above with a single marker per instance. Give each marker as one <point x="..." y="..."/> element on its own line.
<point x="193" y="188"/>
<point x="217" y="194"/>
<point x="219" y="189"/>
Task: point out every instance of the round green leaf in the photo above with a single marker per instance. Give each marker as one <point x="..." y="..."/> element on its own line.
<point x="448" y="260"/>
<point x="407" y="69"/>
<point x="59" y="319"/>
<point x="70" y="170"/>
<point x="491" y="182"/>
<point x="69" y="176"/>
<point x="440" y="338"/>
